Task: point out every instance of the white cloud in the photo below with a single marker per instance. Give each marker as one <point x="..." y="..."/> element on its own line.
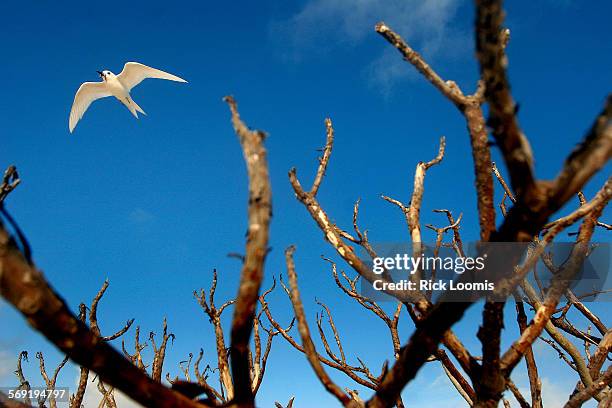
<point x="325" y="24"/>
<point x="440" y="382"/>
<point x="93" y="397"/>
<point x="440" y="393"/>
<point x="387" y="70"/>
<point x="352" y="20"/>
<point x="141" y="216"/>
<point x="555" y="394"/>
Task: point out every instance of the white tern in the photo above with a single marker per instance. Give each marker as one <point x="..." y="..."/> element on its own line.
<point x="118" y="86"/>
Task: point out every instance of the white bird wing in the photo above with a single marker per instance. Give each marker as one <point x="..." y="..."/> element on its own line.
<point x="87" y="93"/>
<point x="134" y="73"/>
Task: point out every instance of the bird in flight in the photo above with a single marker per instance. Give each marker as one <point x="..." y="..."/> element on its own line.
<point x="118" y="86"/>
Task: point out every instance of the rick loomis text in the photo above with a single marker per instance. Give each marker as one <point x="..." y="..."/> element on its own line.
<point x="409" y="264"/>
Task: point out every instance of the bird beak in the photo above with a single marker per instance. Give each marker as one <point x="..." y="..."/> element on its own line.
<point x="100" y="73"/>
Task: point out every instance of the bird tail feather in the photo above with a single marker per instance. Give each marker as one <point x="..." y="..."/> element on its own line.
<point x="138" y="108"/>
<point x="133" y="107"/>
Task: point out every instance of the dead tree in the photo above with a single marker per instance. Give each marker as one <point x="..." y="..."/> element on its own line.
<point x="259" y="352"/>
<point x="482" y="381"/>
<point x="533" y="202"/>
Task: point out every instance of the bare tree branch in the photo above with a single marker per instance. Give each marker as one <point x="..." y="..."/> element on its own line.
<point x="289" y="404"/>
<point x="215" y="318"/>
<point x="558" y="287"/>
<point x="471" y="108"/>
<point x="586" y="312"/>
<point x="108" y="396"/>
<point x="323" y="161"/>
<point x="159" y="353"/>
<point x="10" y="180"/>
<point x="447" y="88"/>
<point x="590" y="156"/>
<point x="491" y="382"/>
<point x="535" y="384"/>
<point x="416" y="201"/>
<point x="259" y="214"/>
<point x="503" y="183"/>
<point x="517" y="394"/>
<point x="211" y="393"/>
<point x="332" y="233"/>
<point x="76" y="399"/>
<point x="579" y="398"/>
<point x="517" y="226"/>
<point x="49" y="381"/>
<point x="309" y="348"/>
<point x="23" y="383"/>
<point x="136" y="358"/>
<point x="352" y="371"/>
<point x="490" y="44"/>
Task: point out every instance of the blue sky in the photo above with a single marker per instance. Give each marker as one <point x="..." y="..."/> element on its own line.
<point x="155" y="204"/>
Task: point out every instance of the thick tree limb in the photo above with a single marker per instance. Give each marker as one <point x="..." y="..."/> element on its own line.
<point x="590" y="156"/>
<point x="259" y="214"/>
<point x="24" y="286"/>
<point x="6" y="402"/>
<point x="490" y="44"/>
<point x="481" y="155"/>
<point x="491" y="382"/>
